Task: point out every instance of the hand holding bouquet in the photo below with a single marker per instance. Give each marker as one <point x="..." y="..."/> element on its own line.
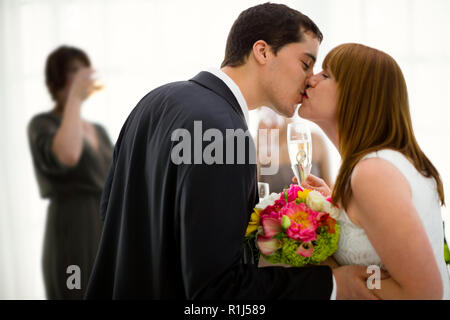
<point x="295" y="227"/>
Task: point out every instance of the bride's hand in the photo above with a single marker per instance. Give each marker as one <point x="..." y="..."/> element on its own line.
<point x="315" y="183"/>
<point x="330" y="262"/>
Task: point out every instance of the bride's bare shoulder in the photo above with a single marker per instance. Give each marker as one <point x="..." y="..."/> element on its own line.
<point x="376" y="179"/>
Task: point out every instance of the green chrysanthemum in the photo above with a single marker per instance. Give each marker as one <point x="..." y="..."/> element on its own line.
<point x="325" y="245"/>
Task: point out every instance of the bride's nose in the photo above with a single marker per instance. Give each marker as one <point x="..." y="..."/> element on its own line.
<point x="312" y="81"/>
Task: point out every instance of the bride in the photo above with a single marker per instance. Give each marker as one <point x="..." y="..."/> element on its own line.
<point x="389" y="189"/>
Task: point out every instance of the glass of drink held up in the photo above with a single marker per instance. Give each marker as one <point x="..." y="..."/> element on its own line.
<point x="300" y="149"/>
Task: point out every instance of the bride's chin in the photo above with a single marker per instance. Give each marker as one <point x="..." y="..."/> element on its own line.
<point x="302" y="112"/>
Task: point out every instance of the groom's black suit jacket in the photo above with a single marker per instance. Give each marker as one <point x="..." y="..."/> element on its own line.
<point x="177" y="231"/>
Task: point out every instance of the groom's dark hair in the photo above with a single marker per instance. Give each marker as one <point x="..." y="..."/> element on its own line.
<point x="277" y="24"/>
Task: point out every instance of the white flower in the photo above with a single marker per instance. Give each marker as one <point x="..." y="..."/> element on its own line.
<point x="319" y="203"/>
<point x="269" y="201"/>
<point x="333" y="211"/>
<point x="316" y="201"/>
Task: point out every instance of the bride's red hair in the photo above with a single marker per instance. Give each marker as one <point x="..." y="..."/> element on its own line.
<point x="372" y="113"/>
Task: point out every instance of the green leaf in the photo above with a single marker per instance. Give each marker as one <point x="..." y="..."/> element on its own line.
<point x="446" y="253"/>
<point x="278" y="236"/>
<point x="253" y="250"/>
<point x="252" y="235"/>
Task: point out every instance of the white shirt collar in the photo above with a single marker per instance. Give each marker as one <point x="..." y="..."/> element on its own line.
<point x="234" y="89"/>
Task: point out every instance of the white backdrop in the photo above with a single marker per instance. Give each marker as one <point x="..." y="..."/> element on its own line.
<point x="137" y="45"/>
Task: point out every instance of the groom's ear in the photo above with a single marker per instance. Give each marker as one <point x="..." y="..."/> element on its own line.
<point x="261" y="51"/>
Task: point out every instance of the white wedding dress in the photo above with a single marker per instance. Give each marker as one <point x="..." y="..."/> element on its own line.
<point x="354" y="246"/>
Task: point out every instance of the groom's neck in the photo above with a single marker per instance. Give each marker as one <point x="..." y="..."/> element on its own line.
<point x="247" y="81"/>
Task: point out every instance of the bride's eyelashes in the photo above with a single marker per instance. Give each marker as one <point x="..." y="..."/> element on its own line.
<point x="325" y="75"/>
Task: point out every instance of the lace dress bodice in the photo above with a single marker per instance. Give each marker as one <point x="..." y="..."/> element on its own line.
<point x="354" y="246"/>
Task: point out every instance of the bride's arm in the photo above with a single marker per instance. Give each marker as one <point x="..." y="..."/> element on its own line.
<point x="382" y="204"/>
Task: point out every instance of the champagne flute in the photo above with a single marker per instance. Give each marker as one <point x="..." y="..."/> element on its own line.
<point x="263" y="190"/>
<point x="300" y="149"/>
<point x="97" y="84"/>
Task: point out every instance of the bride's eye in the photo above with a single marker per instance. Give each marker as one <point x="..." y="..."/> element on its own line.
<point x="325" y="75"/>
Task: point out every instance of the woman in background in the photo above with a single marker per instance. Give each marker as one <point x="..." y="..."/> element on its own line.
<point x="71" y="157"/>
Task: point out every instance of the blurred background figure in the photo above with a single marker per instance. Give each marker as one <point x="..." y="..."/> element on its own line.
<point x="71" y="157"/>
<point x="270" y="120"/>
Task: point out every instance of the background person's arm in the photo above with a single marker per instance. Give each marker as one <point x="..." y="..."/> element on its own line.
<point x="68" y="142"/>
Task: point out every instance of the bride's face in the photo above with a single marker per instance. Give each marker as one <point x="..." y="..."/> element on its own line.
<point x="320" y="103"/>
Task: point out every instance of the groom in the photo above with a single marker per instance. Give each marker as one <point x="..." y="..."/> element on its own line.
<point x="175" y="212"/>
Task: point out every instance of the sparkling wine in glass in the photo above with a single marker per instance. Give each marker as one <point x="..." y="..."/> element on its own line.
<point x="263" y="190"/>
<point x="300" y="149"/>
<point x="97" y="85"/>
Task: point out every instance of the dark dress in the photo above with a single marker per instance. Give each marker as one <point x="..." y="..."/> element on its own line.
<point x="73" y="227"/>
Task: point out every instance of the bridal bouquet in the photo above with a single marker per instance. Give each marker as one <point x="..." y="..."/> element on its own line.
<point x="295" y="227"/>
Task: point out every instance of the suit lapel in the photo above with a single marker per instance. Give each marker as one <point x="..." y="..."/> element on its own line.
<point x="211" y="82"/>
